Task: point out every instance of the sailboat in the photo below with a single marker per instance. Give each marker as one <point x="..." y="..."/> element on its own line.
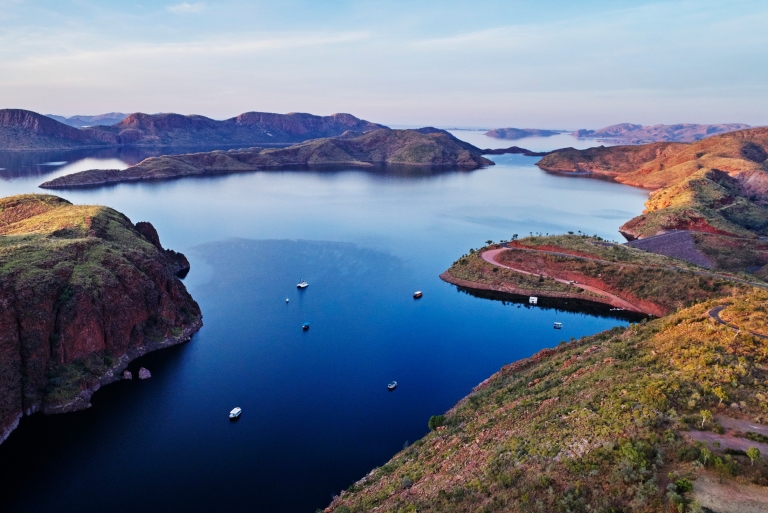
<point x="302" y="284"/>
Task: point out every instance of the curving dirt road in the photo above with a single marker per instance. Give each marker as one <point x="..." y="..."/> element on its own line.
<point x="490" y="257"/>
<point x="714" y="313"/>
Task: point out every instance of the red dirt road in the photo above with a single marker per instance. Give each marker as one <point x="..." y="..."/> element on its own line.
<point x="614" y="300"/>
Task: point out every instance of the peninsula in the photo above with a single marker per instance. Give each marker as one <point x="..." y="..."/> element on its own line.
<point x="27" y="130"/>
<point x="83" y="292"/>
<point x="427" y="147"/>
<point x="664" y="415"/>
<point x="718" y="185"/>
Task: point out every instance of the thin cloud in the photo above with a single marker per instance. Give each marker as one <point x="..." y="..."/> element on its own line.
<point x="185" y="7"/>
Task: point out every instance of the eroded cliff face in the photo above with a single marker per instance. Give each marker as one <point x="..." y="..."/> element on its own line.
<point x="82" y="292"/>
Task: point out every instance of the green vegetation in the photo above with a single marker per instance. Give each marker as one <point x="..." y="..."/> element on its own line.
<point x="592" y="425"/>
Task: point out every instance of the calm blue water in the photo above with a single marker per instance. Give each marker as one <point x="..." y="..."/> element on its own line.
<point x="316" y="412"/>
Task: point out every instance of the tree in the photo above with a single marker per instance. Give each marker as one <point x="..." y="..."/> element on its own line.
<point x="489" y="242"/>
<point x="720" y="393"/>
<point x="705" y="416"/>
<point x="754" y="454"/>
<point x="514" y="237"/>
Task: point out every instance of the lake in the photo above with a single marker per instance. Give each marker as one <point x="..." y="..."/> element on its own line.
<point x="317" y="415"/>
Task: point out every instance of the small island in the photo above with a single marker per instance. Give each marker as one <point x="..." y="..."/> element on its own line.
<point x="426" y="147"/>
<point x="83" y="292"/>
<point x="521" y="133"/>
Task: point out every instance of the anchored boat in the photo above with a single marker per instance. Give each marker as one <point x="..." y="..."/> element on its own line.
<point x="305" y="326"/>
<point x="235" y="413"/>
<point x="558" y="325"/>
<point x="392" y="385"/>
<point x="417" y="294"/>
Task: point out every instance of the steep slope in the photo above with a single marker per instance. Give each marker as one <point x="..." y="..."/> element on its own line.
<point x="246" y="129"/>
<point x="383" y="146"/>
<point x="622" y="421"/>
<point x="718" y="185"/>
<point x="629" y="133"/>
<point x="83" y="291"/>
<point x="27" y="130"/>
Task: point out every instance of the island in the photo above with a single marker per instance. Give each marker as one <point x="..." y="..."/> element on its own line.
<point x="83" y="292"/>
<point x="24" y="130"/>
<point x="426" y="147"/>
<point x="520" y="133"/>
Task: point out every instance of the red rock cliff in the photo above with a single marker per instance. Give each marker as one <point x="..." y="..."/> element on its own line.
<point x="82" y="292"/>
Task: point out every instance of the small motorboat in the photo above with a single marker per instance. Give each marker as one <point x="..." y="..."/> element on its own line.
<point x="302" y="284"/>
<point x="392" y="385"/>
<point x="286" y="300"/>
<point x="235" y="413"/>
<point x="533" y="300"/>
<point x="305" y="326"/>
<point x="558" y="325"/>
<point x="417" y="294"/>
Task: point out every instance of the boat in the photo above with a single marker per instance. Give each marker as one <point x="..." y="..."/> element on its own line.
<point x="533" y="300"/>
<point x="558" y="325"/>
<point x="302" y="284"/>
<point x="417" y="294"/>
<point x="235" y="413"/>
<point x="286" y="300"/>
<point x="392" y="385"/>
<point x="305" y="326"/>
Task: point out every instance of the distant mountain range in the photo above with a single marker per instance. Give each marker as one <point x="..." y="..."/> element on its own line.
<point x="628" y="133"/>
<point x="27" y="130"/>
<point x="109" y="118"/>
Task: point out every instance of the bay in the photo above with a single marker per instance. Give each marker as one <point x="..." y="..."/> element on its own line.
<point x="316" y="412"/>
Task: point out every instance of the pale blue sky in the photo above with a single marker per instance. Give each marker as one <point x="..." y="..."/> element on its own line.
<point x="548" y="64"/>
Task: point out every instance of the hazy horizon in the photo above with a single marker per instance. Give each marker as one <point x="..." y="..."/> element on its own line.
<point x="451" y="64"/>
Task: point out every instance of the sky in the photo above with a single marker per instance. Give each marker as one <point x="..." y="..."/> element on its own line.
<point x="447" y="63"/>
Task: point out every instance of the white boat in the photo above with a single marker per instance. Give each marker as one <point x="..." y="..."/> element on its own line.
<point x="286" y="300"/>
<point x="533" y="300"/>
<point x="235" y="413"/>
<point x="302" y="284"/>
<point x="417" y="294"/>
<point x="558" y="325"/>
<point x="392" y="385"/>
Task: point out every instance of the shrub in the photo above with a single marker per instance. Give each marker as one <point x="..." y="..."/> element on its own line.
<point x="435" y="421"/>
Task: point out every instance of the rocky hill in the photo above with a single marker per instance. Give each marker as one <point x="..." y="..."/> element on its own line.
<point x="717" y="185"/>
<point x="81" y="121"/>
<point x="246" y="129"/>
<point x="519" y="133"/>
<point x="424" y="147"/>
<point x="27" y="130"/>
<point x="628" y="133"/>
<point x="83" y="291"/>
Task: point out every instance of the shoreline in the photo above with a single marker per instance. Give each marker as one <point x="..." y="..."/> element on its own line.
<point x="83" y="400"/>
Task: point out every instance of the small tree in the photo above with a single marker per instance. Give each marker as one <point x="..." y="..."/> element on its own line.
<point x="720" y="393"/>
<point x="514" y="237"/>
<point x="706" y="415"/>
<point x="706" y="455"/>
<point x="754" y="454"/>
<point x="489" y="242"/>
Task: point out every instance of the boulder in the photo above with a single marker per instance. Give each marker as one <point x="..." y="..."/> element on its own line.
<point x="144" y="373"/>
<point x="127" y="375"/>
